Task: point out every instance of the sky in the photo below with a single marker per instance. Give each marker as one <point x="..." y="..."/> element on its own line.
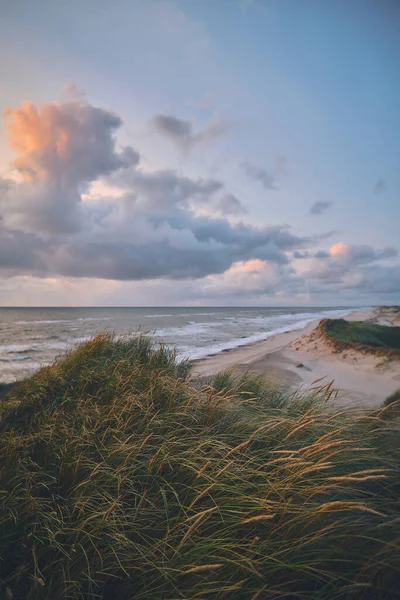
<point x="193" y="152"/>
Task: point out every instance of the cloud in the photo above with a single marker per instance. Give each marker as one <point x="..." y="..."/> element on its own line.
<point x="322" y="254"/>
<point x="344" y="260"/>
<point x="379" y="186"/>
<point x="166" y="188"/>
<point x="5" y="184"/>
<point x="191" y="248"/>
<point x="51" y="225"/>
<point x="362" y="254"/>
<point x="70" y="143"/>
<point x="182" y="134"/>
<point x="320" y="207"/>
<point x="301" y="255"/>
<point x="230" y="205"/>
<point x="259" y="174"/>
<point x="61" y="148"/>
<point x="245" y="277"/>
<point x="150" y="225"/>
<point x="379" y="280"/>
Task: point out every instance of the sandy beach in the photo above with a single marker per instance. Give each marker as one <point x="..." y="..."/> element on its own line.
<point x="296" y="359"/>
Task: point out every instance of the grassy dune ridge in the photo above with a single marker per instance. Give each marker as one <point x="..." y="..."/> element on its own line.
<point x="362" y="335"/>
<point x="123" y="479"/>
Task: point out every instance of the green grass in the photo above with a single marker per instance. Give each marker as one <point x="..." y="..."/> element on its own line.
<point x="123" y="479"/>
<point x="5" y="388"/>
<point x="358" y="333"/>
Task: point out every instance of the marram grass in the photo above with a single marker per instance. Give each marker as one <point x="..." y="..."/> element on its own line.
<point x="362" y="335"/>
<point x="123" y="479"/>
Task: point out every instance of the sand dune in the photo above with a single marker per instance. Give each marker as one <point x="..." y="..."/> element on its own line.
<point x="302" y="359"/>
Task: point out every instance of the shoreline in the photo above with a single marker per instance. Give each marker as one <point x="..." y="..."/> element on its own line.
<point x="249" y="352"/>
<point x="358" y="378"/>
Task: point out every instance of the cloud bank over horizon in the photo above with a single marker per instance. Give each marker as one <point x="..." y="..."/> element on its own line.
<point x="151" y="223"/>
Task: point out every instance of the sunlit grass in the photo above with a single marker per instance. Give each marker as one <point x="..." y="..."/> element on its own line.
<point x="122" y="478"/>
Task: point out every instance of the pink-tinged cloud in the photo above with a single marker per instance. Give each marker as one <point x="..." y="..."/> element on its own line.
<point x="71" y="143"/>
<point x="354" y="254"/>
<point x="337" y="249"/>
<point x="254" y="265"/>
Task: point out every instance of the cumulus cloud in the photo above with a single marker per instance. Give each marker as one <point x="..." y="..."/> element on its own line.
<point x="71" y="143"/>
<point x="359" y="254"/>
<point x="182" y="133"/>
<point x="343" y="259"/>
<point x="61" y="148"/>
<point x="320" y="207"/>
<point x="52" y="226"/>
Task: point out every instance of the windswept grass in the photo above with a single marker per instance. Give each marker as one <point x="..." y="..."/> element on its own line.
<point x="362" y="334"/>
<point x="5" y="388"/>
<point x="395" y="397"/>
<point x="122" y="479"/>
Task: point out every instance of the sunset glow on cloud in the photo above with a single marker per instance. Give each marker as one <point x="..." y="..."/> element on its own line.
<point x="249" y="265"/>
<point x="192" y="162"/>
<point x="339" y="248"/>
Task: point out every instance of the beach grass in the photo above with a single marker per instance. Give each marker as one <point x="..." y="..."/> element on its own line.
<point x="5" y="388"/>
<point x="362" y="334"/>
<point x="392" y="405"/>
<point x="122" y="478"/>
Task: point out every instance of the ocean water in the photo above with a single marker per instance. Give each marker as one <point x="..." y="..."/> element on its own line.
<point x="33" y="337"/>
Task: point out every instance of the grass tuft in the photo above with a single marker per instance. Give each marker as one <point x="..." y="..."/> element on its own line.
<point x="395" y="397"/>
<point x="122" y="478"/>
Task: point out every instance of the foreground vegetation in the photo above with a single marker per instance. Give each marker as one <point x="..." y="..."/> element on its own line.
<point x="5" y="388"/>
<point x="362" y="335"/>
<point x="122" y="479"/>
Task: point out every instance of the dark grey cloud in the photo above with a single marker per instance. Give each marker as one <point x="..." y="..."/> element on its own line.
<point x="379" y="186"/>
<point x="300" y="255"/>
<point x="321" y="254"/>
<point x="320" y="207"/>
<point x="230" y="205"/>
<point x="182" y="133"/>
<point x="259" y="174"/>
<point x="22" y="252"/>
<point x="195" y="248"/>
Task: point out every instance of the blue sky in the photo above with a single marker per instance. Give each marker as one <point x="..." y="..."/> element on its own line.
<point x="306" y="93"/>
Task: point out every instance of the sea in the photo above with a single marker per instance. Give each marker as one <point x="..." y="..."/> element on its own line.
<point x="33" y="337"/>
